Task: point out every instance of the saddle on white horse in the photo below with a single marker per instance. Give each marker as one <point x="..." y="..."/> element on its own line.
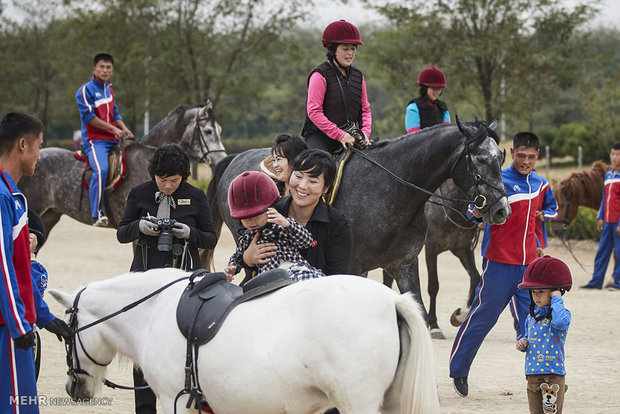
<point x="203" y="308"/>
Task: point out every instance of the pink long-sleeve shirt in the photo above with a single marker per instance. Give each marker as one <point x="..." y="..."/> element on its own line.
<point x="317" y="86"/>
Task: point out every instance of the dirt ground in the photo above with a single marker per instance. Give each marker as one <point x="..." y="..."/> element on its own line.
<point x="76" y="254"/>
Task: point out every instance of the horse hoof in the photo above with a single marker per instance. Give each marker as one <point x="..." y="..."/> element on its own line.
<point x="457" y="317"/>
<point x="437" y="334"/>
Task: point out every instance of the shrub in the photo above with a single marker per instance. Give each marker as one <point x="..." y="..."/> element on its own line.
<point x="584" y="226"/>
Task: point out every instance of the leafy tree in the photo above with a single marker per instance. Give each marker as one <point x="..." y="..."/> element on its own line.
<point x="504" y="55"/>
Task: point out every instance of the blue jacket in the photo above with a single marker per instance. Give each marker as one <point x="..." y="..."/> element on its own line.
<point x="16" y="296"/>
<point x="609" y="211"/>
<point x="546" y="338"/>
<point x="39" y="284"/>
<point x="515" y="241"/>
<point x="94" y="99"/>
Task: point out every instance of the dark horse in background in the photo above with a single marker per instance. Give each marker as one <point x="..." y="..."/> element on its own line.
<point x="386" y="214"/>
<point x="581" y="188"/>
<point x="56" y="186"/>
<point x="448" y="230"/>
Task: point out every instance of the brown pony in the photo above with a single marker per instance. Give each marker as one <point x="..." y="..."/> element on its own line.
<point x="582" y="188"/>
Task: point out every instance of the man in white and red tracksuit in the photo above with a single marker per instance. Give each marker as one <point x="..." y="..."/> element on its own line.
<point x="102" y="127"/>
<point x="20" y="140"/>
<point x="608" y="220"/>
<point x="507" y="250"/>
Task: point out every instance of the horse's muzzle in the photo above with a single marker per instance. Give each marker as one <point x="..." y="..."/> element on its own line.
<point x="499" y="212"/>
<point x="77" y="389"/>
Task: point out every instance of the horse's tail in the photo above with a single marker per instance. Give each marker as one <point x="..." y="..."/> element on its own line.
<point x="207" y="257"/>
<point x="414" y="383"/>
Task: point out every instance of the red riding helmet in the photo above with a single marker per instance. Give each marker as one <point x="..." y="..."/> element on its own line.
<point x="251" y="193"/>
<point x="432" y="77"/>
<point x="547" y="273"/>
<point x="341" y="32"/>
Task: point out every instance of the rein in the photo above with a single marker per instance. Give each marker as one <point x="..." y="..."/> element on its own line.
<point x="75" y="334"/>
<point x="565" y="241"/>
<point x="480" y="201"/>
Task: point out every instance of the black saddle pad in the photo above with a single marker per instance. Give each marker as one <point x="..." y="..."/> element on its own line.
<point x="204" y="306"/>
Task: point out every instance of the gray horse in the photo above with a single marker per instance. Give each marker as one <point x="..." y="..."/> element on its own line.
<point x="385" y="212"/>
<point x="448" y="230"/>
<point x="56" y="186"/>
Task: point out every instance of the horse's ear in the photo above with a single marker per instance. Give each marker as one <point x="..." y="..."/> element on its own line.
<point x="64" y="299"/>
<point x="462" y="128"/>
<point x="493" y="125"/>
<point x="204" y="112"/>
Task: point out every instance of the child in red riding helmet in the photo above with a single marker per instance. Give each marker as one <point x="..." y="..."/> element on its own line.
<point x="547" y="278"/>
<point x="250" y="197"/>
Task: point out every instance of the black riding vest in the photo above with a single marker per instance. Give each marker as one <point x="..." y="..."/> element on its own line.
<point x="334" y="107"/>
<point x="429" y="115"/>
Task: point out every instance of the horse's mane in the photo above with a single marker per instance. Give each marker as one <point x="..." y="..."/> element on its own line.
<point x="420" y="132"/>
<point x="586" y="185"/>
<point x="479" y="127"/>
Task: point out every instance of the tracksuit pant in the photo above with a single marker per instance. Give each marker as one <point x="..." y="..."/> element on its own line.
<point x="609" y="241"/>
<point x="97" y="152"/>
<point x="497" y="288"/>
<point x="18" y="385"/>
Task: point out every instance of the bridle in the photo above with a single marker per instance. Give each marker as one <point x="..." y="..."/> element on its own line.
<point x="199" y="137"/>
<point x="562" y="235"/>
<point x="72" y="358"/>
<point x="479" y="200"/>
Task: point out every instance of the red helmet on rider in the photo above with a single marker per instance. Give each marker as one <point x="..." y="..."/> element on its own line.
<point x="251" y="193"/>
<point x="432" y="77"/>
<point x="341" y="32"/>
<point x="547" y="273"/>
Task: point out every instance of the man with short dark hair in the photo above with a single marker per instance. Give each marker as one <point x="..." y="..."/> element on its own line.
<point x="102" y="128"/>
<point x="507" y="250"/>
<point x="21" y="136"/>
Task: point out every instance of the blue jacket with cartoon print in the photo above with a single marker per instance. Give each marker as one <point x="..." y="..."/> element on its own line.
<point x="546" y="338"/>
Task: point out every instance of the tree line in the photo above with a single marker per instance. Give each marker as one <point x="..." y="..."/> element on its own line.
<point x="535" y="64"/>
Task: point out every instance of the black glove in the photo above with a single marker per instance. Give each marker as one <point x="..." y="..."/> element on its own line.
<point x="60" y="328"/>
<point x="25" y="342"/>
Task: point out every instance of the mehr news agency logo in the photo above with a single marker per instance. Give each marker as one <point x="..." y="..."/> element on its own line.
<point x="44" y="400"/>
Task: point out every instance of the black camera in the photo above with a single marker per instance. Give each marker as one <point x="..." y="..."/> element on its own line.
<point x="164" y="225"/>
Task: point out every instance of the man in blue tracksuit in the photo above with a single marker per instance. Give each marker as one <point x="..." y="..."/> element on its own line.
<point x="20" y="140"/>
<point x="507" y="249"/>
<point x="102" y="128"/>
<point x="608" y="220"/>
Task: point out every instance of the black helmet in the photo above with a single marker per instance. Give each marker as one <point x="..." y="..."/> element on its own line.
<point x="36" y="227"/>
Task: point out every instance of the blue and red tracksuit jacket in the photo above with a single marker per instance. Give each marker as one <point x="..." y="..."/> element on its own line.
<point x="96" y="99"/>
<point x="515" y="241"/>
<point x="609" y="211"/>
<point x="17" y="301"/>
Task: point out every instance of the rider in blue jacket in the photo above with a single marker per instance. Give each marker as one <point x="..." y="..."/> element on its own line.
<point x="102" y="128"/>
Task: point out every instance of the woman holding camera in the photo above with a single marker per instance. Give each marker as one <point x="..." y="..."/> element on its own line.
<point x="171" y="220"/>
<point x="169" y="217"/>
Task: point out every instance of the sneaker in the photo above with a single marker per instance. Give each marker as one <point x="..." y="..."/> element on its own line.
<point x="102" y="221"/>
<point x="461" y="387"/>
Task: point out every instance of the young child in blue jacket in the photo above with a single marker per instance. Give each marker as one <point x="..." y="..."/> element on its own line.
<point x="547" y="278"/>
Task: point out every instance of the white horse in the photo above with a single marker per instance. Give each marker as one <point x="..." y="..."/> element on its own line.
<point x="338" y="341"/>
